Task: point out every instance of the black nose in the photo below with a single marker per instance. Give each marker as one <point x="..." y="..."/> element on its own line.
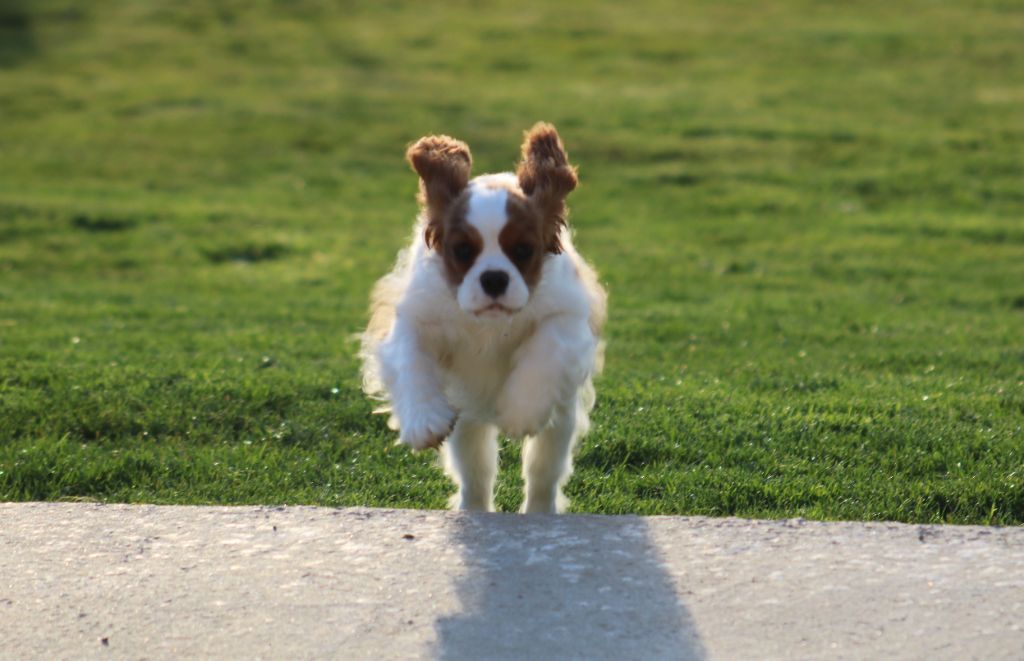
<point x="494" y="283"/>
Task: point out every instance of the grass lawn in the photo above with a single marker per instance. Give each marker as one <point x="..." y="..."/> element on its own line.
<point x="809" y="217"/>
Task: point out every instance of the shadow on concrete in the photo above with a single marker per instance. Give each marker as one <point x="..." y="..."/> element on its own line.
<point x="569" y="587"/>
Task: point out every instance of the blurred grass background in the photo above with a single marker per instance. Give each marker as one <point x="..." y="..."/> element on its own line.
<point x="808" y="216"/>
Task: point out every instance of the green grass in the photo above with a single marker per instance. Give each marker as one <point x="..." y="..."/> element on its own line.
<point x="808" y="216"/>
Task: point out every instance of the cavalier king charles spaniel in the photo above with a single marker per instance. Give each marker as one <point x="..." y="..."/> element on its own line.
<point x="490" y="321"/>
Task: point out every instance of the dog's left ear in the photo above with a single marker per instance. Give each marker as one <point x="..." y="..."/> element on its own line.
<point x="443" y="164"/>
<point x="546" y="177"/>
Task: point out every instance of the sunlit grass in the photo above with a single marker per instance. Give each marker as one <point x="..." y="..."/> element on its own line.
<point x="808" y="216"/>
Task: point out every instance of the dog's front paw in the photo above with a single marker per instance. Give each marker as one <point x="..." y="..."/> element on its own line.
<point x="523" y="415"/>
<point x="428" y="427"/>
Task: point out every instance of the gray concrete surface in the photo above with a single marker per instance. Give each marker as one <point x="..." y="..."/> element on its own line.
<point x="94" y="581"/>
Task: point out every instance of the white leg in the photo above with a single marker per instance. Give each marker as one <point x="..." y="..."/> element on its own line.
<point x="547" y="463"/>
<point x="471" y="459"/>
<point x="417" y="400"/>
<point x="549" y="368"/>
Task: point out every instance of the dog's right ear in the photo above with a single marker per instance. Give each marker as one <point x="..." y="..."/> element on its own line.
<point x="443" y="164"/>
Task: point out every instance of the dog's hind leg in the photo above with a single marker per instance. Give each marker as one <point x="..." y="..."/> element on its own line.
<point x="471" y="459"/>
<point x="547" y="462"/>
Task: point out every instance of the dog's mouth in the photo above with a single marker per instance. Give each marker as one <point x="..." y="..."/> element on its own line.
<point x="494" y="309"/>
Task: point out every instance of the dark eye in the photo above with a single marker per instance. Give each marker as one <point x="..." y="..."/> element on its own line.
<point x="463" y="252"/>
<point x="522" y="252"/>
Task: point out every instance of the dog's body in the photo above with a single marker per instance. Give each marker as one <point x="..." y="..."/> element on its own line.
<point x="490" y="321"/>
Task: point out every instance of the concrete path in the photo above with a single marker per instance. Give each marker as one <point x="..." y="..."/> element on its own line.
<point x="93" y="581"/>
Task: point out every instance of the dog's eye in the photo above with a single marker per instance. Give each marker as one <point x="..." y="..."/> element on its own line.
<point x="522" y="252"/>
<point x="463" y="252"/>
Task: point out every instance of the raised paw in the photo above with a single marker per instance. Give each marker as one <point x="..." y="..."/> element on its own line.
<point x="524" y="416"/>
<point x="428" y="428"/>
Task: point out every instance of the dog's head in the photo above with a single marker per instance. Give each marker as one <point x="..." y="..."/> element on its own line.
<point x="495" y="231"/>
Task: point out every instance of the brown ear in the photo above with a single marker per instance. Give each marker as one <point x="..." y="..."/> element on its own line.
<point x="443" y="164"/>
<point x="546" y="177"/>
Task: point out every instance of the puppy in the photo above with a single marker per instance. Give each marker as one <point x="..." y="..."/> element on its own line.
<point x="490" y="321"/>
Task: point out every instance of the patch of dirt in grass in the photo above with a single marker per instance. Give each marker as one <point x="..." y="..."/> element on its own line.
<point x="94" y="223"/>
<point x="247" y="252"/>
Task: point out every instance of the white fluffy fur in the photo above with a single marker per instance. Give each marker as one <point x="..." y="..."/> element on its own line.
<point x="528" y="374"/>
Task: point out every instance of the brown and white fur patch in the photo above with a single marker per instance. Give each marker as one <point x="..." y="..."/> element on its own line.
<point x="490" y="321"/>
